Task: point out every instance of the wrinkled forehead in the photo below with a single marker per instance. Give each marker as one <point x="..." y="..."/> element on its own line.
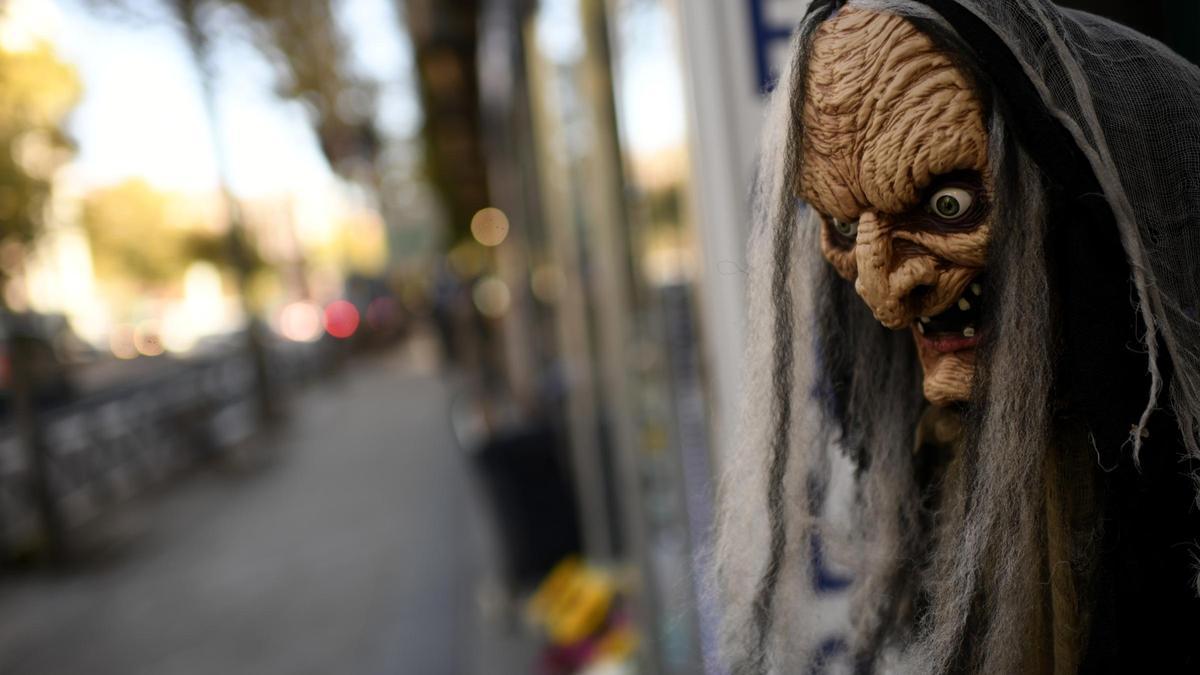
<point x="885" y="111"/>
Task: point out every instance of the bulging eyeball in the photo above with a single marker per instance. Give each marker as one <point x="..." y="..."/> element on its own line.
<point x="847" y="229"/>
<point x="950" y="203"/>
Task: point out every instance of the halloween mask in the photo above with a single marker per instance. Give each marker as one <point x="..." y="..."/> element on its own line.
<point x="916" y="130"/>
<point x="895" y="161"/>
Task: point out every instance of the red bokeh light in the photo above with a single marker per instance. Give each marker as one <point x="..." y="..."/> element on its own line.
<point x="341" y="319"/>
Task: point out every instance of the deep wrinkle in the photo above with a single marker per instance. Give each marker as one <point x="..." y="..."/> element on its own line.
<point x="890" y="124"/>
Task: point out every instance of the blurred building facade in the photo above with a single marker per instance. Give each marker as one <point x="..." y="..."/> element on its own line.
<point x="623" y="265"/>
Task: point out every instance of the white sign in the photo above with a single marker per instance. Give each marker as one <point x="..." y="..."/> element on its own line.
<point x="732" y="54"/>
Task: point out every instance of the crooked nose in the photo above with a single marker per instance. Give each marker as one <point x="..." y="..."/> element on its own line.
<point x="891" y="274"/>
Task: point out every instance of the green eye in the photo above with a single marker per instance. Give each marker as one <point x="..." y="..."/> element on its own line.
<point x="844" y="228"/>
<point x="950" y="203"/>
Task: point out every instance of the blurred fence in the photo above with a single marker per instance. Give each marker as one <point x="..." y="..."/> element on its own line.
<point x="111" y="445"/>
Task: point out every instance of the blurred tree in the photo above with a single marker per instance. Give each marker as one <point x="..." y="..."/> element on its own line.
<point x="445" y="38"/>
<point x="312" y="55"/>
<point x="314" y="60"/>
<point x="315" y="68"/>
<point x="37" y="91"/>
<point x="120" y="220"/>
<point x="189" y="15"/>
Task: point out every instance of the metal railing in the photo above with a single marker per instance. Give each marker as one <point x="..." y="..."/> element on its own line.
<point x="108" y="446"/>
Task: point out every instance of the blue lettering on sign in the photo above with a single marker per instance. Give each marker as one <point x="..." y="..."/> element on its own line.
<point x="766" y="34"/>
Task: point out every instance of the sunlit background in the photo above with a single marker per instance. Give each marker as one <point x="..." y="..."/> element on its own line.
<point x="375" y="336"/>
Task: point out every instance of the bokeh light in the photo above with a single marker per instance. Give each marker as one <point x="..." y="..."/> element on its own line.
<point x="147" y="338"/>
<point x="341" y="319"/>
<point x="300" y="321"/>
<point x="489" y="226"/>
<point x="492" y="297"/>
<point x="120" y="341"/>
<point x="178" y="330"/>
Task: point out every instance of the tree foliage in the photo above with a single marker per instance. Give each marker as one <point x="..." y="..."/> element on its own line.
<point x="145" y="236"/>
<point x="37" y="92"/>
<point x="312" y="56"/>
<point x="314" y="60"/>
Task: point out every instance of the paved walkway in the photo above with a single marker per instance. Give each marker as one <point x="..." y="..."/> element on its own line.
<point x="361" y="549"/>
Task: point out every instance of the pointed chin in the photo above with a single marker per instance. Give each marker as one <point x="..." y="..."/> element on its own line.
<point x="949" y="368"/>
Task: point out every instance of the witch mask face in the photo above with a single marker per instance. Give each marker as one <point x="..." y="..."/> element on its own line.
<point x="895" y="161"/>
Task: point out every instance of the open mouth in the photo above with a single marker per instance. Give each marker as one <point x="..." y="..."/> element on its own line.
<point x="957" y="327"/>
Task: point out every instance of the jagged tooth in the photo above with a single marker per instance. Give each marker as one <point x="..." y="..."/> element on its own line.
<point x="976" y="289"/>
<point x="963" y="304"/>
<point x="921" y="327"/>
<point x="924" y="319"/>
<point x="969" y="331"/>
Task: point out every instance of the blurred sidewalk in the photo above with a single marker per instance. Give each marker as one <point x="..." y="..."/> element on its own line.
<point x="359" y="548"/>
